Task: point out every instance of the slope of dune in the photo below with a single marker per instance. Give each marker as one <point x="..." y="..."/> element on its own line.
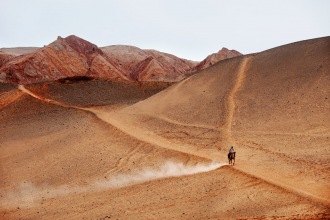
<point x="273" y="106"/>
<point x="97" y="92"/>
<point x="83" y="148"/>
<point x="67" y="170"/>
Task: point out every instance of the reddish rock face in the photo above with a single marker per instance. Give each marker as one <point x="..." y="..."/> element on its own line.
<point x="4" y="58"/>
<point x="223" y="54"/>
<point x="68" y="57"/>
<point x="84" y="48"/>
<point x="148" y="65"/>
<point x="75" y="57"/>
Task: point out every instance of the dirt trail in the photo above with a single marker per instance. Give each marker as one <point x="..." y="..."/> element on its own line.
<point x="124" y="124"/>
<point x="231" y="103"/>
<point x="143" y="135"/>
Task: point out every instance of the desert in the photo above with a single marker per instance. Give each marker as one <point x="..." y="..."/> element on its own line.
<point x="118" y="132"/>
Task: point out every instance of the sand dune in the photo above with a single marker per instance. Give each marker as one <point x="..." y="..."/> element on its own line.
<point x="260" y="114"/>
<point x="163" y="156"/>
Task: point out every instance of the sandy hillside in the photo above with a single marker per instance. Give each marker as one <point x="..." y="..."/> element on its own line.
<point x="273" y="106"/>
<point x="96" y="92"/>
<point x="91" y="155"/>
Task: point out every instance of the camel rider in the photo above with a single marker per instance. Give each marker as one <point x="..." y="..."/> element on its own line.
<point x="231" y="150"/>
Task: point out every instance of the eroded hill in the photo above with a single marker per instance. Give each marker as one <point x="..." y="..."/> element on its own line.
<point x="76" y="57"/>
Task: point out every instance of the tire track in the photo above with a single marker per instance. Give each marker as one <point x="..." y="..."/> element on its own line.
<point x="124" y="160"/>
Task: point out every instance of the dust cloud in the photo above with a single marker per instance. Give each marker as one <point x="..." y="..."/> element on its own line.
<point x="169" y="169"/>
<point x="28" y="194"/>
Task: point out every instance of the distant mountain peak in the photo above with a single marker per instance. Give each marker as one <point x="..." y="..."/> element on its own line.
<point x="82" y="46"/>
<point x="222" y="54"/>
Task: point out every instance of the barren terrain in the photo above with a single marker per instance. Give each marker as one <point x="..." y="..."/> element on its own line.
<point x="75" y="57"/>
<point x="97" y="149"/>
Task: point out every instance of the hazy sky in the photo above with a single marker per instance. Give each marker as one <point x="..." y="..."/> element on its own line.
<point x="186" y="28"/>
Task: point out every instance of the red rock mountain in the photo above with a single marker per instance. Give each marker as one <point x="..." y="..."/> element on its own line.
<point x="68" y="57"/>
<point x="6" y="54"/>
<point x="223" y="54"/>
<point x="149" y="65"/>
<point x="75" y="57"/>
<point x="4" y="58"/>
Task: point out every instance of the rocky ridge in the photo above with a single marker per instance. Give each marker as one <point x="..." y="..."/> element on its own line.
<point x="76" y="57"/>
<point x="222" y="54"/>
